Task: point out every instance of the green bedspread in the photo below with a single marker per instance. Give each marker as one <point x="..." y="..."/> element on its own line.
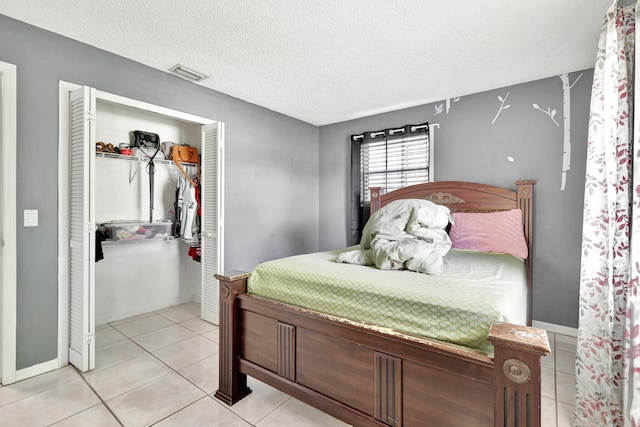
<point x="456" y="306"/>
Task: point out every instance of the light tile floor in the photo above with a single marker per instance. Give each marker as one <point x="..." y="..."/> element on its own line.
<point x="161" y="369"/>
<point x="558" y="382"/>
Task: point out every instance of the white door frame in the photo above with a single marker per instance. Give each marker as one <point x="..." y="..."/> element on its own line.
<point x="8" y="78"/>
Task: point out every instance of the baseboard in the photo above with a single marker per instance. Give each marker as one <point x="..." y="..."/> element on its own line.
<point x="556" y="329"/>
<point x="38" y="369"/>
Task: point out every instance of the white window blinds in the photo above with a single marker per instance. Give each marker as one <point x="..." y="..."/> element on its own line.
<point x="395" y="158"/>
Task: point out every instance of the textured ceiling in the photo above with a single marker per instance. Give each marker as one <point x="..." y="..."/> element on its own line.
<point x="326" y="61"/>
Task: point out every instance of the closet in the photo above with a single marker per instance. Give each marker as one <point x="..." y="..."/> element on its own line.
<point x="130" y="200"/>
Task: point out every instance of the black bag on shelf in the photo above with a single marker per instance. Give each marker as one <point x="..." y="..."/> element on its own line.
<point x="145" y="139"/>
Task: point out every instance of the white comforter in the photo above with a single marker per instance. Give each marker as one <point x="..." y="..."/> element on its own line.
<point x="405" y="234"/>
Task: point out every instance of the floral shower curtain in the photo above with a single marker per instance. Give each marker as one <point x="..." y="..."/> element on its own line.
<point x="608" y="354"/>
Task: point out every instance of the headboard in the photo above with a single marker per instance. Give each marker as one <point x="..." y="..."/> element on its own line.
<point x="461" y="196"/>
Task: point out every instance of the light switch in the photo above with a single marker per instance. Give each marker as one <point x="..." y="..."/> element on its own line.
<point x="30" y="217"/>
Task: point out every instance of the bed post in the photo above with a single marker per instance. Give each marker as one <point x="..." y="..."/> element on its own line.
<point x="232" y="383"/>
<point x="517" y="370"/>
<point x="524" y="201"/>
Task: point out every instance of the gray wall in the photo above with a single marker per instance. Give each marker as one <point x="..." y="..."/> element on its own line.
<point x="470" y="148"/>
<point x="271" y="174"/>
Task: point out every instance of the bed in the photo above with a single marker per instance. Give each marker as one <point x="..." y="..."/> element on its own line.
<point x="367" y="374"/>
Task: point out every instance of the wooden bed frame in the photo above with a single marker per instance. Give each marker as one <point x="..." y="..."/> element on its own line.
<point x="370" y="376"/>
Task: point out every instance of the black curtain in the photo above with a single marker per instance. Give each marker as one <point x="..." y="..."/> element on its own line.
<point x="357" y="219"/>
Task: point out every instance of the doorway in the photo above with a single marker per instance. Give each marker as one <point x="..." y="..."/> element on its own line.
<point x="79" y="111"/>
<point x="8" y="115"/>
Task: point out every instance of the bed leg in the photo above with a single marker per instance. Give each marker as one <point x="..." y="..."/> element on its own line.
<point x="232" y="383"/>
<point x="518" y="352"/>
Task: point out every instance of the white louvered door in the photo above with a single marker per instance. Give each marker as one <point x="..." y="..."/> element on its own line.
<point x="82" y="229"/>
<point x="212" y="218"/>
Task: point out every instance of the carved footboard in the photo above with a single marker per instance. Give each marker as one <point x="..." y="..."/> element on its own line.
<point x="365" y="376"/>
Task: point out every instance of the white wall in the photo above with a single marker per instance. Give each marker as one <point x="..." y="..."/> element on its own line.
<point x="139" y="277"/>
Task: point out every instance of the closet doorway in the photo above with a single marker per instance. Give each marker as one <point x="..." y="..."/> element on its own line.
<point x="106" y="188"/>
<point x="8" y="114"/>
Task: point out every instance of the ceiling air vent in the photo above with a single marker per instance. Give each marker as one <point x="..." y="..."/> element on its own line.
<point x="186" y="73"/>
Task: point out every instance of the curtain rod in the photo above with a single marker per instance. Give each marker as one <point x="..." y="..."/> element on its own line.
<point x="392" y="131"/>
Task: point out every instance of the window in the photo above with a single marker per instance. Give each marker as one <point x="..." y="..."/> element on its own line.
<point x="391" y="159"/>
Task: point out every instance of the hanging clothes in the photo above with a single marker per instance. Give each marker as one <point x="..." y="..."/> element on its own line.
<point x="100" y="237"/>
<point x="187" y="219"/>
<point x="177" y="212"/>
<point x="188" y="210"/>
<point x="195" y="249"/>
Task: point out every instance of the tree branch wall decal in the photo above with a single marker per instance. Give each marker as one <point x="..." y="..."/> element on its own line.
<point x="440" y="108"/>
<point x="566" y="117"/>
<point x="549" y="112"/>
<point x="502" y="106"/>
<point x="449" y="102"/>
<point x="566" y="121"/>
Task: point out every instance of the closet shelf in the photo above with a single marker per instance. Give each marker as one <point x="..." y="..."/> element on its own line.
<point x="111" y="243"/>
<point x="157" y="160"/>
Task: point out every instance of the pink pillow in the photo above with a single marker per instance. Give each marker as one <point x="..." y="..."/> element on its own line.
<point x="501" y="232"/>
